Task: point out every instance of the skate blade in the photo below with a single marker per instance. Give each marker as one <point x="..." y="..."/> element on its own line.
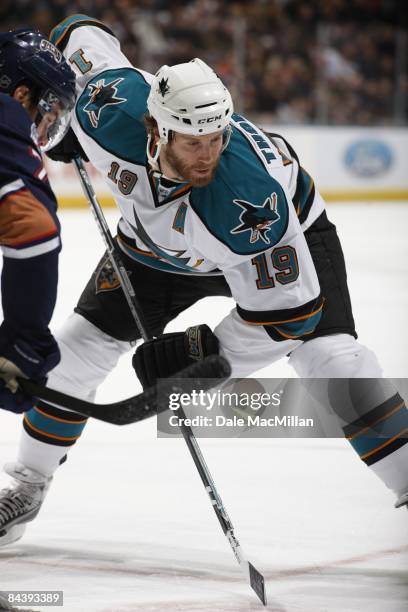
<point x="402" y="501"/>
<point x="12" y="535"/>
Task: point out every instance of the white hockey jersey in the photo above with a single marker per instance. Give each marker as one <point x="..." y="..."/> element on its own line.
<point x="247" y="224"/>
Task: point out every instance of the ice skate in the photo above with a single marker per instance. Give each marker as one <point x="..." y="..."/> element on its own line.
<point x="21" y="501"/>
<point x="402" y="501"/>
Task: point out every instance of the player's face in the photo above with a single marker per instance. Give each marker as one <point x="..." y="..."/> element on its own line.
<point x="48" y="122"/>
<point x="46" y="119"/>
<point x="194" y="158"/>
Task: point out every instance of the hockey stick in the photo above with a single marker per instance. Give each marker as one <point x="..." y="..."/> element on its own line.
<point x="199" y="375"/>
<point x="113" y="252"/>
<point x="255" y="578"/>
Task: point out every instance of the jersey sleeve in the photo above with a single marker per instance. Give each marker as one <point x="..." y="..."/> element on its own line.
<point x="258" y="243"/>
<point x="29" y="227"/>
<point x="111" y="96"/>
<point x="278" y="301"/>
<point x="90" y="47"/>
<point x="305" y="196"/>
<point x="278" y="304"/>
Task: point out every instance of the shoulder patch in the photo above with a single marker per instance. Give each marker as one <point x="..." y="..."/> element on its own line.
<point x="257" y="219"/>
<point x="110" y="110"/>
<point x="101" y="95"/>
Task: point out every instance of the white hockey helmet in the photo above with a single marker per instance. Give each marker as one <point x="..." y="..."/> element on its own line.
<point x="189" y="98"/>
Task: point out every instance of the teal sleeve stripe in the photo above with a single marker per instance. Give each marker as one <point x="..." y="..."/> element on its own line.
<point x="60" y="34"/>
<point x="307" y="184"/>
<point x="304" y="196"/>
<point x="393" y="426"/>
<point x="158" y="264"/>
<point x="50" y="426"/>
<point x="152" y="262"/>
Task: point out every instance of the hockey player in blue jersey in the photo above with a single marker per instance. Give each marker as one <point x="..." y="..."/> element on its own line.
<point x="36" y="97"/>
<point x="210" y="205"/>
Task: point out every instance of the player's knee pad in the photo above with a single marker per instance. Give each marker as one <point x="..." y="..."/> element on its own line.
<point x="328" y="363"/>
<point x="345" y="376"/>
<point x="334" y="356"/>
<point x="88" y="355"/>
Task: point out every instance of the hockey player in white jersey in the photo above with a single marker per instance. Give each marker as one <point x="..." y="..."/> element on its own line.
<point x="210" y="205"/>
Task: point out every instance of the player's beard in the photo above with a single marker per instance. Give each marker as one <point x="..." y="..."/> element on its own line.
<point x="187" y="172"/>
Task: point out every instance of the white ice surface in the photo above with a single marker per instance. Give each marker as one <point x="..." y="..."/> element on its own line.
<point x="127" y="525"/>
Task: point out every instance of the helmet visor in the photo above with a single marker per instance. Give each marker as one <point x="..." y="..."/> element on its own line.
<point x="53" y="119"/>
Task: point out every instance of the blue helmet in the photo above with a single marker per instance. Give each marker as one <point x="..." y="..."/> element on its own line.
<point x="27" y="57"/>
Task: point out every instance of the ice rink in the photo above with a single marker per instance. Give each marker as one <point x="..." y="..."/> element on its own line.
<point x="127" y="525"/>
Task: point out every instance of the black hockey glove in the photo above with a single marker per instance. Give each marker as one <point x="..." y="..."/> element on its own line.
<point x="167" y="355"/>
<point x="25" y="358"/>
<point x="67" y="149"/>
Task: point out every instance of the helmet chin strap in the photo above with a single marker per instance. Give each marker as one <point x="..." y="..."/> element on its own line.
<point x="227" y="136"/>
<point x="154" y="159"/>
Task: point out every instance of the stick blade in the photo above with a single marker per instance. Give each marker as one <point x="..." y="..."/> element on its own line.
<point x="200" y="375"/>
<point x="257" y="582"/>
<point x="203" y="375"/>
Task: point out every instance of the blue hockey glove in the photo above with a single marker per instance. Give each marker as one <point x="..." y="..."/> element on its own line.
<point x="19" y="358"/>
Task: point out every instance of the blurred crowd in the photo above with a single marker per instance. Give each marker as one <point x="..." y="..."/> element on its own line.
<point x="334" y="62"/>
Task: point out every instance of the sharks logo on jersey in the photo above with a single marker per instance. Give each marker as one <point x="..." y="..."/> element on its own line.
<point x="257" y="219"/>
<point x="101" y="95"/>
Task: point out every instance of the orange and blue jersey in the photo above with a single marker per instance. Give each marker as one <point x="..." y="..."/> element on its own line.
<point x="29" y="227"/>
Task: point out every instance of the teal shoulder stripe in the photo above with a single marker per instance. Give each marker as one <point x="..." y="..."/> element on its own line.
<point x="59" y="35"/>
<point x="304" y="195"/>
<point x="306" y="184"/>
<point x="111" y="110"/>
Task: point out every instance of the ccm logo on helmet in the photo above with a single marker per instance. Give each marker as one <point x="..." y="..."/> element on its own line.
<point x="45" y="45"/>
<point x="209" y="119"/>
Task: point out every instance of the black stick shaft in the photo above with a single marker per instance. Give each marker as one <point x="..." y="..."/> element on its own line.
<point x="138" y="407"/>
<point x="187" y="432"/>
<point x="112" y="248"/>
